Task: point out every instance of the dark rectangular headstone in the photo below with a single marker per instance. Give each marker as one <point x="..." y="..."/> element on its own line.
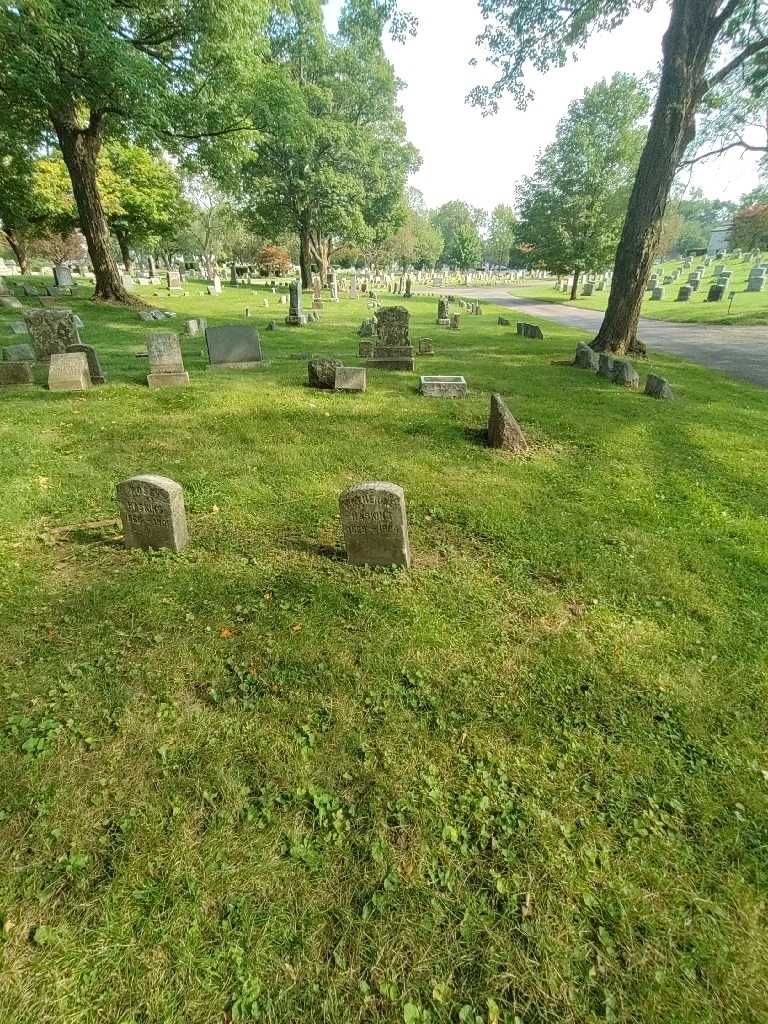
<point x="235" y="346"/>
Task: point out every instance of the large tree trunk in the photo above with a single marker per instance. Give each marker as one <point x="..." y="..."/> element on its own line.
<point x="305" y="259"/>
<point x="575" y="286"/>
<point x="686" y="50"/>
<point x="80" y="148"/>
<point x="19" y="247"/>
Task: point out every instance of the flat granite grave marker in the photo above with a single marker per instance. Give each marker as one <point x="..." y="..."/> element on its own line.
<point x="15" y="373"/>
<point x="166" y="367"/>
<point x="503" y="429"/>
<point x="443" y="387"/>
<point x="234" y="347"/>
<point x="152" y="510"/>
<point x="375" y="524"/>
<point x="350" y="378"/>
<point x="68" y="371"/>
<point x="94" y="366"/>
<point x="19" y="354"/>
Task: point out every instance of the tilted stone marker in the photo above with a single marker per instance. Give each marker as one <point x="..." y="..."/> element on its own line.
<point x="296" y="316"/>
<point x="30" y="291"/>
<point x="19" y="354"/>
<point x="196" y="327"/>
<point x="166" y="366"/>
<point x="585" y="358"/>
<point x="234" y="347"/>
<point x="322" y="373"/>
<point x="94" y="365"/>
<point x="62" y="276"/>
<point x="716" y="293"/>
<point x="15" y="373"/>
<point x="68" y="371"/>
<point x="152" y="510"/>
<point x="19" y="327"/>
<point x="51" y="330"/>
<point x="685" y="293"/>
<point x="658" y="387"/>
<point x="605" y="365"/>
<point x="375" y="524"/>
<point x="443" y="387"/>
<point x="350" y="378"/>
<point x="503" y="322"/>
<point x="10" y="302"/>
<point x="625" y="374"/>
<point x="530" y="331"/>
<point x="393" y="349"/>
<point x="503" y="429"/>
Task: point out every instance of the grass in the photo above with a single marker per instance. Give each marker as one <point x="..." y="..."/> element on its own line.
<point x="524" y="782"/>
<point x="747" y="307"/>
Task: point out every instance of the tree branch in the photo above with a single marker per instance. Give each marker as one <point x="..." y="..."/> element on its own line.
<point x="740" y="144"/>
<point x="731" y="66"/>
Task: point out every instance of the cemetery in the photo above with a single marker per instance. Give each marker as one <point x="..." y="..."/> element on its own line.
<point x="383" y="581"/>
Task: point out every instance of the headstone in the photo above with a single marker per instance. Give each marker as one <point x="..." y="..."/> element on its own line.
<point x="530" y="331"/>
<point x="350" y="378"/>
<point x="657" y="294"/>
<point x="296" y="317"/>
<point x="19" y="354"/>
<point x="215" y="288"/>
<point x="152" y="510"/>
<point x="62" y="277"/>
<point x="588" y="289"/>
<point x="393" y="349"/>
<point x="503" y="429"/>
<point x="585" y="358"/>
<point x="94" y="366"/>
<point x="455" y="322"/>
<point x="10" y="302"/>
<point x="47" y="301"/>
<point x="716" y="292"/>
<point x="657" y="387"/>
<point x="685" y="293"/>
<point x="334" y="287"/>
<point x="30" y="291"/>
<point x="51" y="330"/>
<point x="234" y="346"/>
<point x="425" y="347"/>
<point x="375" y="524"/>
<point x="365" y="349"/>
<point x="166" y="366"/>
<point x="15" y="373"/>
<point x="408" y="288"/>
<point x="368" y="328"/>
<point x="605" y="365"/>
<point x="504" y="322"/>
<point x="443" y="387"/>
<point x="196" y="327"/>
<point x="625" y="374"/>
<point x="443" y="314"/>
<point x="68" y="371"/>
<point x="756" y="283"/>
<point x="272" y="325"/>
<point x="322" y="373"/>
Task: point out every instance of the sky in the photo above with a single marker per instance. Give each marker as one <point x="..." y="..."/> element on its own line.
<point x="479" y="159"/>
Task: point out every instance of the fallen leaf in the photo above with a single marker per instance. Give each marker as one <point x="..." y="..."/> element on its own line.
<point x="8" y="927"/>
<point x="268" y="596"/>
<point x="226" y="633"/>
<point x="527" y="908"/>
<point x="296" y="627"/>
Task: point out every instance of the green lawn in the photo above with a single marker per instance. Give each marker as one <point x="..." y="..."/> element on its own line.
<point x="747" y="307"/>
<point x="526" y="781"/>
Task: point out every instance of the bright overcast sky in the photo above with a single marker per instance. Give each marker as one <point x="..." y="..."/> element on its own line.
<point x="479" y="159"/>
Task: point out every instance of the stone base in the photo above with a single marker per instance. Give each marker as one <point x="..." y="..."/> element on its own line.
<point x="296" y="321"/>
<point x="73" y="384"/>
<point x="168" y="380"/>
<point x="393" y="364"/>
<point x="443" y="387"/>
<point x="443" y="323"/>
<point x="261" y="364"/>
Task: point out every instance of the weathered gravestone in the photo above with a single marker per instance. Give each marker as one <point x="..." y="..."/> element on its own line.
<point x="585" y="358"/>
<point x="62" y="277"/>
<point x="443" y="315"/>
<point x="716" y="293"/>
<point x="51" y="330"/>
<point x="296" y="316"/>
<point x="588" y="289"/>
<point x="625" y="374"/>
<point x="30" y="291"/>
<point x="657" y="387"/>
<point x="196" y="327"/>
<point x="166" y="366"/>
<point x="530" y="331"/>
<point x="503" y="429"/>
<point x="503" y="322"/>
<point x="19" y="327"/>
<point x="455" y="322"/>
<point x="426" y="347"/>
<point x="15" y="373"/>
<point x="173" y="280"/>
<point x="443" y="387"/>
<point x="68" y="371"/>
<point x="350" y="378"/>
<point x="368" y="328"/>
<point x="685" y="293"/>
<point x="19" y="354"/>
<point x="408" y="288"/>
<point x="152" y="510"/>
<point x="605" y="365"/>
<point x="94" y="366"/>
<point x="322" y="373"/>
<point x="657" y="294"/>
<point x="375" y="524"/>
<point x="393" y="350"/>
<point x="365" y="349"/>
<point x="234" y="346"/>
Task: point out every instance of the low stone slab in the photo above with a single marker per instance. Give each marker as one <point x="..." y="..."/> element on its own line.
<point x="658" y="387"/>
<point x="503" y="429"/>
<point x="15" y="373"/>
<point x="19" y="353"/>
<point x="153" y="514"/>
<point x="625" y="374"/>
<point x="350" y="378"/>
<point x="585" y="358"/>
<point x="234" y="346"/>
<point x="443" y="387"/>
<point x="19" y="327"/>
<point x="375" y="525"/>
<point x="530" y="331"/>
<point x="68" y="371"/>
<point x="322" y="373"/>
<point x="9" y="302"/>
<point x="94" y="365"/>
<point x="404" y="363"/>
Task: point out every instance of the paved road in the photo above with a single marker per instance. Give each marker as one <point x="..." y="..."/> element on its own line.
<point x="738" y="351"/>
